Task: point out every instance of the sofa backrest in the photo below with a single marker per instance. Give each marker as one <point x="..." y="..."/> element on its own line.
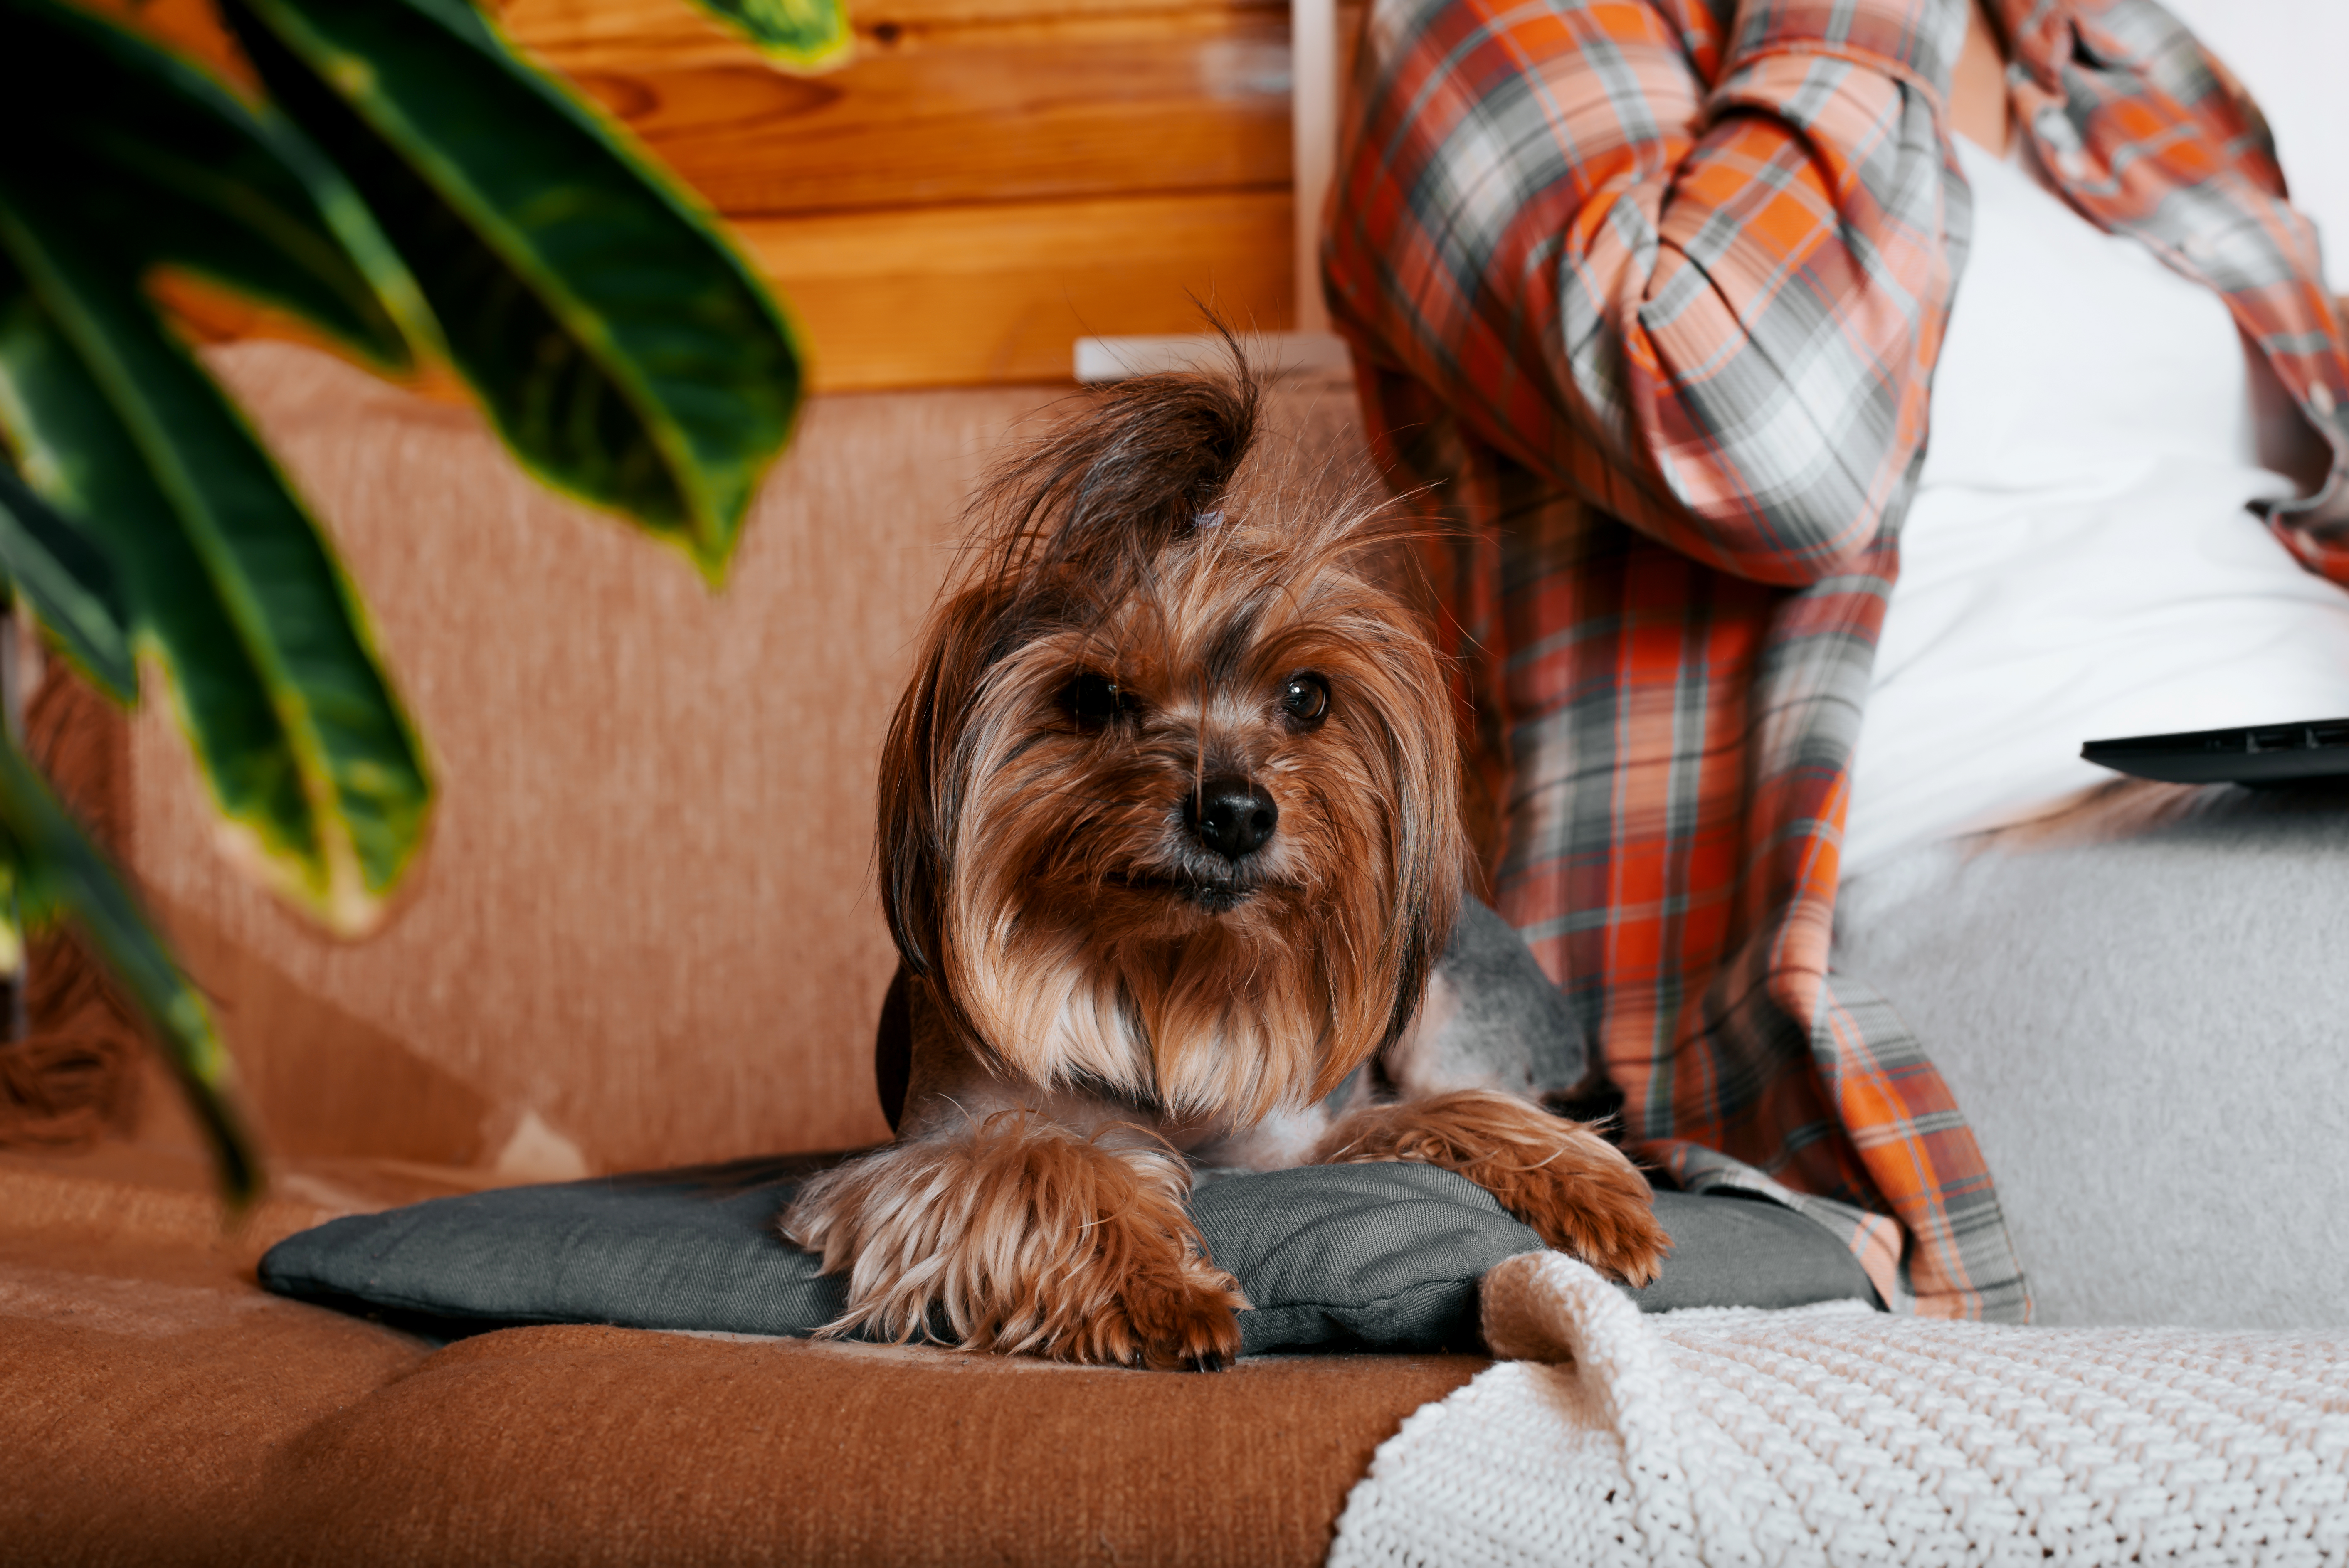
<point x="646" y="930"/>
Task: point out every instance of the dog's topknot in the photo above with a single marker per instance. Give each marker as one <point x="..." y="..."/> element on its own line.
<point x="1147" y="460"/>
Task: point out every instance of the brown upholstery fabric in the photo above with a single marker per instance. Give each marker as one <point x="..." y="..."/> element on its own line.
<point x="142" y="1397"/>
<point x="143" y="1376"/>
<point x="645" y="914"/>
<point x="157" y="1408"/>
<point x="614" y="1445"/>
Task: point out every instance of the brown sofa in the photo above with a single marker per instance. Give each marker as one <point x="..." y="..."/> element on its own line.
<point x="644" y="934"/>
<point x="158" y="1408"/>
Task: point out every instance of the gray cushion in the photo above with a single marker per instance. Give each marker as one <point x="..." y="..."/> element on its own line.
<point x="2139" y="1009"/>
<point x="1353" y="1254"/>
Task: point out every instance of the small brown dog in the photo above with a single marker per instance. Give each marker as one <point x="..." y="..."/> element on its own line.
<point x="1170" y="845"/>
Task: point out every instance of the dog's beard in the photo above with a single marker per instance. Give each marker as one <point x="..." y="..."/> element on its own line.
<point x="1150" y="993"/>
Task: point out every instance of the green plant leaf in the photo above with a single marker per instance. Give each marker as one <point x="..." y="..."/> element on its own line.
<point x="11" y="916"/>
<point x="169" y="166"/>
<point x="57" y="868"/>
<point x="70" y="584"/>
<point x="804" y="35"/>
<point x="623" y="349"/>
<point x="303" y="744"/>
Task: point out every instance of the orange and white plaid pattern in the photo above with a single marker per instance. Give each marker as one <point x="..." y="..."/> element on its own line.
<point x="1650" y="292"/>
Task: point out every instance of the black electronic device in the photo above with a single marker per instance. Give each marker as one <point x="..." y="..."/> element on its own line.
<point x="2258" y="754"/>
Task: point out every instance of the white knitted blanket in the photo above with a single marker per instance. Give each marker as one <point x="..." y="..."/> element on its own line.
<point x="1837" y="1434"/>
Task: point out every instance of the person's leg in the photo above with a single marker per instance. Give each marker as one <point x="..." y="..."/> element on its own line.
<point x="2144" y="1021"/>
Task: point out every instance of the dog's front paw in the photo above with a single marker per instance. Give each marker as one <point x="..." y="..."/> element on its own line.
<point x="1021" y="1236"/>
<point x="1577" y="1191"/>
<point x="1600" y="1209"/>
<point x="1189" y="1323"/>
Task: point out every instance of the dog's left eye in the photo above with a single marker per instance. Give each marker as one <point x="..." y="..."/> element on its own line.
<point x="1305" y="698"/>
<point x="1092" y="699"/>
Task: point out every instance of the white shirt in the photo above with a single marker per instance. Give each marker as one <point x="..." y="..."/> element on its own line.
<point x="2078" y="563"/>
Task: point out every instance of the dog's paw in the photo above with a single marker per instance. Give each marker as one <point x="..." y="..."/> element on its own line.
<point x="1601" y="1210"/>
<point x="1187" y="1324"/>
<point x="1579" y="1193"/>
<point x="1017" y="1235"/>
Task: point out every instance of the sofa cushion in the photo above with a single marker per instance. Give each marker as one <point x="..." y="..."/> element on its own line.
<point x="585" y="1445"/>
<point x="157" y="1409"/>
<point x="1383" y="1255"/>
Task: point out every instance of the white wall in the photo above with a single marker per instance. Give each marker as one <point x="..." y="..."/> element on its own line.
<point x="2293" y="55"/>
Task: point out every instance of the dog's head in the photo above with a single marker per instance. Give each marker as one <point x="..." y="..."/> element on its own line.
<point x="1171" y="807"/>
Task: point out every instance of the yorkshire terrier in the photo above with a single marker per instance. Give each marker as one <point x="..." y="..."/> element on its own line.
<point x="1170" y="845"/>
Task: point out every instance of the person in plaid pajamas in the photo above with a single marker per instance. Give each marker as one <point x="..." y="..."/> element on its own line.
<point x="1648" y="295"/>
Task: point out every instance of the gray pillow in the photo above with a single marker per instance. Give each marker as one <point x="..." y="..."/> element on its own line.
<point x="1383" y="1255"/>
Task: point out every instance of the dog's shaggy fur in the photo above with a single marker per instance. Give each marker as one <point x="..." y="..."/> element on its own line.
<point x="1170" y="844"/>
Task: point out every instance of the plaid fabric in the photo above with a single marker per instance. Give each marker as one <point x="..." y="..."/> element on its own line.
<point x="1651" y="293"/>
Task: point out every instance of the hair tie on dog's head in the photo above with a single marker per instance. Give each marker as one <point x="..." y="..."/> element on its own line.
<point x="1206" y="518"/>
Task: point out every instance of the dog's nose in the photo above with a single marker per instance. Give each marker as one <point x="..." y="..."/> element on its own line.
<point x="1232" y="816"/>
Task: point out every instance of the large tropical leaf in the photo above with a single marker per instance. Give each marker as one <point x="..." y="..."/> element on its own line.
<point x="302" y="742"/>
<point x="55" y="867"/>
<point x="117" y="157"/>
<point x="797" y="35"/>
<point x="621" y="348"/>
<point x="70" y="584"/>
<point x="167" y="166"/>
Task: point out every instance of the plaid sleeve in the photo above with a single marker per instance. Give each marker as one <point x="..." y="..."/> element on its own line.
<point x="1700" y="274"/>
<point x="2147" y="133"/>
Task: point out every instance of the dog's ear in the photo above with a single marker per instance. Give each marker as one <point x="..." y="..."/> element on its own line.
<point x="919" y="786"/>
<point x="1432" y="847"/>
<point x="907" y="841"/>
<point x="1427" y="928"/>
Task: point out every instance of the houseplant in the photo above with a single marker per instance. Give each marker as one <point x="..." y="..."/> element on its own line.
<point x="415" y="190"/>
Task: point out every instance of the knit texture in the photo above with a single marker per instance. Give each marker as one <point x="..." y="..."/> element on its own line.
<point x="1830" y="1434"/>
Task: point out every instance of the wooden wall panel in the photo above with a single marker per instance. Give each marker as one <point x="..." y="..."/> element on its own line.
<point x="960" y="295"/>
<point x="985" y="182"/>
<point x="995" y="112"/>
<point x="675" y="30"/>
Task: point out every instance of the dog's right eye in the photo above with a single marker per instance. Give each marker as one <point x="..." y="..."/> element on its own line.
<point x="1092" y="699"/>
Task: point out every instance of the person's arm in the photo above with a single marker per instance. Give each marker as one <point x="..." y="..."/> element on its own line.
<point x="1713" y="312"/>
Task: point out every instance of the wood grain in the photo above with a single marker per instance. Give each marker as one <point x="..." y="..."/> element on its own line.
<point x="629" y="29"/>
<point x="961" y="296"/>
<point x="987" y="181"/>
<point x="943" y="297"/>
<point x="995" y="112"/>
